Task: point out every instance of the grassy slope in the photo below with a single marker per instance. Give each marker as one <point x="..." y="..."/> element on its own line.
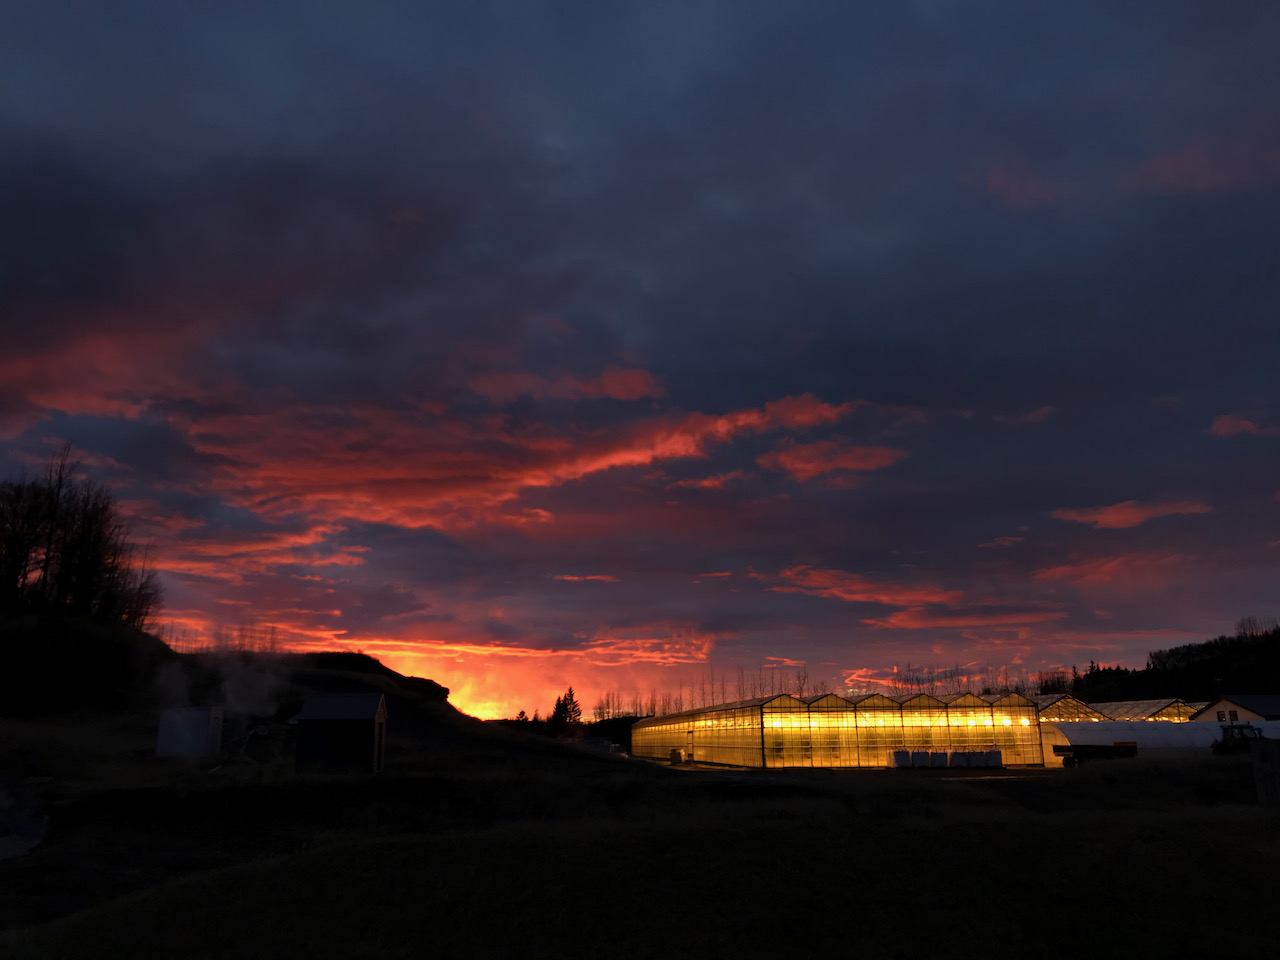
<point x="749" y="881"/>
<point x="52" y="664"/>
<point x="484" y="842"/>
<point x="1127" y="859"/>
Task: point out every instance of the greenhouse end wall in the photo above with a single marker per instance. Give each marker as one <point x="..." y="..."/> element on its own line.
<point x="832" y="731"/>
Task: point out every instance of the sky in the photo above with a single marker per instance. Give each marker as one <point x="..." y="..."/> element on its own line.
<point x="525" y="345"/>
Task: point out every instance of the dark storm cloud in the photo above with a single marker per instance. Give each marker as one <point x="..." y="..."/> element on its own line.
<point x="471" y="323"/>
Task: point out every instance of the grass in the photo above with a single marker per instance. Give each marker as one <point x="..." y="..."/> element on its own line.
<point x="718" y="878"/>
<point x="484" y="842"/>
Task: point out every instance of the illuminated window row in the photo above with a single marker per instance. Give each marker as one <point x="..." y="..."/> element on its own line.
<point x="832" y="731"/>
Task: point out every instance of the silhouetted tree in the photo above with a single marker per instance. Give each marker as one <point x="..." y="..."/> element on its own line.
<point x="64" y="547"/>
<point x="1052" y="681"/>
<point x="572" y="709"/>
<point x="565" y="715"/>
<point x="1255" y="626"/>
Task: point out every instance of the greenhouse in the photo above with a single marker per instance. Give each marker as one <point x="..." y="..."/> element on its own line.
<point x="1064" y="707"/>
<point x="833" y="731"/>
<point x="1179" y="711"/>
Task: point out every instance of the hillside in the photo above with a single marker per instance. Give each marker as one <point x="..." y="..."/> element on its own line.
<point x="477" y="837"/>
<point x="1244" y="663"/>
<point x="56" y="664"/>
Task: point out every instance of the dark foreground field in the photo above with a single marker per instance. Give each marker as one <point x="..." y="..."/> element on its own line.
<point x="559" y="854"/>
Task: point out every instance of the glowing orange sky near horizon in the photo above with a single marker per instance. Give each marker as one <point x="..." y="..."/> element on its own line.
<point x="419" y="337"/>
<point x="541" y="587"/>
<point x="582" y="613"/>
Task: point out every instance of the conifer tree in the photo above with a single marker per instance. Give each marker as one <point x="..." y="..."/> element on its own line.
<point x="572" y="709"/>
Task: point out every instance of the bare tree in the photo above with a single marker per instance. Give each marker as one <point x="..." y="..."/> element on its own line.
<point x="1255" y="626"/>
<point x="64" y="546"/>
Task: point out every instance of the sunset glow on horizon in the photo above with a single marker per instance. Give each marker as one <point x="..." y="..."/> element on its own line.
<point x="642" y="349"/>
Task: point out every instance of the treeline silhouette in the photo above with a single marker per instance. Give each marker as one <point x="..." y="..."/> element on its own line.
<point x="1246" y="662"/>
<point x="564" y="720"/>
<point x="64" y="549"/>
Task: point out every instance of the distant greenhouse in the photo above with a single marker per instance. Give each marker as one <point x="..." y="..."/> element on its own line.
<point x="1178" y="711"/>
<point x="1063" y="706"/>
<point x="833" y="731"/>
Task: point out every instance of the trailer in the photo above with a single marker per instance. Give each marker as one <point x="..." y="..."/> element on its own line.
<point x="1074" y="754"/>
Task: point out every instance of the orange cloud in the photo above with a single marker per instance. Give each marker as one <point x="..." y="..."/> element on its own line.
<point x="1130" y="513"/>
<point x="783" y="662"/>
<point x="806" y="461"/>
<point x="859" y="679"/>
<point x="590" y="576"/>
<point x="1232" y="424"/>
<point x="667" y="646"/>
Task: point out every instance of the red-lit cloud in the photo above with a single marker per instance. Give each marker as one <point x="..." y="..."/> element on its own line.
<point x="1002" y="542"/>
<point x="717" y="482"/>
<point x="1232" y="424"/>
<point x="803" y="412"/>
<point x="416" y="470"/>
<point x="784" y="662"/>
<point x="617" y="383"/>
<point x="1204" y="167"/>
<point x="1031" y="418"/>
<point x="983" y="615"/>
<point x="838" y="585"/>
<point x="1019" y="188"/>
<point x="808" y="460"/>
<point x="1130" y="513"/>
<point x="672" y="645"/>
<point x="924" y="606"/>
<point x="1137" y="570"/>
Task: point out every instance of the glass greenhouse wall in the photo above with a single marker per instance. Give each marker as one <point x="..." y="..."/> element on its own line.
<point x="1064" y="707"/>
<point x="831" y="731"/>
<point x="1179" y="711"/>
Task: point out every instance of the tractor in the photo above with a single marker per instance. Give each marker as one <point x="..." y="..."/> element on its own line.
<point x="1236" y="738"/>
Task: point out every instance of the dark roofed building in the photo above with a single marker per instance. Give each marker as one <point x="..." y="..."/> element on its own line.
<point x="342" y="733"/>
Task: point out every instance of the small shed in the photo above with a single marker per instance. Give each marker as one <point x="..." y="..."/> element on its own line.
<point x="189" y="732"/>
<point x="342" y="733"/>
